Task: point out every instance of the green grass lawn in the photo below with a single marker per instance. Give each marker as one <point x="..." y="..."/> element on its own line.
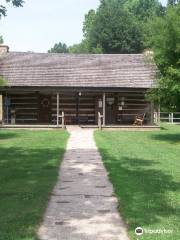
<point x="29" y="162"/>
<point x="144" y="168"/>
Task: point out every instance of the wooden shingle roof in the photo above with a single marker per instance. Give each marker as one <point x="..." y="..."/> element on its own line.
<point x="77" y="70"/>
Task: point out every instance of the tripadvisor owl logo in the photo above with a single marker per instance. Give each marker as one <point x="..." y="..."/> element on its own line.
<point x="139" y="231"/>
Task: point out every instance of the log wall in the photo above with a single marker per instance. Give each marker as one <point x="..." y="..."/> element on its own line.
<point x="135" y="103"/>
<point x="26" y="108"/>
<point x="77" y="109"/>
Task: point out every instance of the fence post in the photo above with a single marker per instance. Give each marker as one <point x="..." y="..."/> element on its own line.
<point x="169" y="117"/>
<point x="155" y="117"/>
<point x="172" y="117"/>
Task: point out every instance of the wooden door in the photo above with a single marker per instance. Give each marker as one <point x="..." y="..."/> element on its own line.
<point x="45" y="109"/>
<point x="111" y="112"/>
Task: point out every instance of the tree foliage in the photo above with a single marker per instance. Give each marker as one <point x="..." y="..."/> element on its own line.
<point x="1" y="40"/>
<point x="165" y="41"/>
<point x="89" y="22"/>
<point x="144" y="9"/>
<point x="173" y="2"/>
<point x="82" y="47"/>
<point x="59" y="48"/>
<point x="15" y="3"/>
<point x="117" y="26"/>
<point x="115" y="29"/>
<point x="3" y="82"/>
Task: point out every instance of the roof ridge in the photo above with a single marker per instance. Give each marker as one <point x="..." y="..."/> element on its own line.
<point x="78" y="54"/>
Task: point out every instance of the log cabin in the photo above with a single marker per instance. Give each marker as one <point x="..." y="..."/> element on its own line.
<point x="41" y="86"/>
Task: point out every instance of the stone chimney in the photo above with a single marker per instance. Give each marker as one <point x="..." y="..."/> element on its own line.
<point x="4" y="49"/>
<point x="148" y="52"/>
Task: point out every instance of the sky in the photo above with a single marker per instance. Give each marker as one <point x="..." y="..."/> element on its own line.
<point x="42" y="23"/>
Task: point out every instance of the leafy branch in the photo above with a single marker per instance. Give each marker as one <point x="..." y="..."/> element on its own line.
<point x="15" y="3"/>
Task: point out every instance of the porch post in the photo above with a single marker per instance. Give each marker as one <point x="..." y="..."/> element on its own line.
<point x="57" y="109"/>
<point x="104" y="109"/>
<point x="152" y="113"/>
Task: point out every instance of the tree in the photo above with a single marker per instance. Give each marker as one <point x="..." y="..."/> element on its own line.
<point x="173" y="2"/>
<point x="114" y="29"/>
<point x="1" y="40"/>
<point x="84" y="46"/>
<point x="15" y="3"/>
<point x="117" y="26"/>
<point x="88" y="22"/>
<point x="79" y="48"/>
<point x="59" y="48"/>
<point x="144" y="11"/>
<point x="165" y="41"/>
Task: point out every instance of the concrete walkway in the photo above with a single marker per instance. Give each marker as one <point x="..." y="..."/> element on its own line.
<point x="82" y="206"/>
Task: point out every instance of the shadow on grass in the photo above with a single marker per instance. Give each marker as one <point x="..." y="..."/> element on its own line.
<point x="141" y="189"/>
<point x="163" y="128"/>
<point x="170" y="137"/>
<point x="7" y="135"/>
<point x="27" y="176"/>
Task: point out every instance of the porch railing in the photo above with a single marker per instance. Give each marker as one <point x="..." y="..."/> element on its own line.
<point x="169" y="117"/>
<point x="62" y="117"/>
<point x="100" y="117"/>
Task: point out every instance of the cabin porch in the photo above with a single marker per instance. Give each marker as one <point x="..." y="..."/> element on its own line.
<point x="44" y="108"/>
